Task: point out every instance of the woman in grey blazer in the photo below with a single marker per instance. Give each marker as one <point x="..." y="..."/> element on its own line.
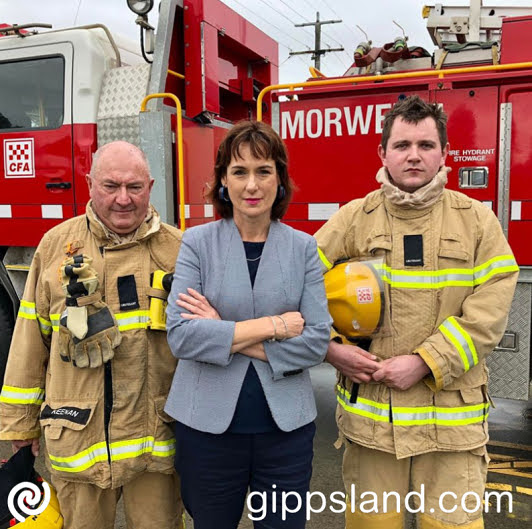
<point x="247" y="317"/>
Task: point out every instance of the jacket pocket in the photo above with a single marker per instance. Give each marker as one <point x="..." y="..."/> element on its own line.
<point x="164" y="445"/>
<point x="379" y="244"/>
<point x="159" y="403"/>
<point x="73" y="441"/>
<point x="452" y="249"/>
<point x="460" y="416"/>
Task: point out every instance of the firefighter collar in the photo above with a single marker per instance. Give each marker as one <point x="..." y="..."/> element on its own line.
<point x="422" y="198"/>
<point x="151" y="225"/>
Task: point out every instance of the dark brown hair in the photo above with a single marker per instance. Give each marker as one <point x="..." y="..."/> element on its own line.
<point x="263" y="142"/>
<point x="413" y="110"/>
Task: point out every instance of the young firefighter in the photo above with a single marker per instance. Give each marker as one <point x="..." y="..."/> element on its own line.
<point x="420" y="415"/>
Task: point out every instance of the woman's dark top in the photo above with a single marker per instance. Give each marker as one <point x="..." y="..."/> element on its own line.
<point x="252" y="414"/>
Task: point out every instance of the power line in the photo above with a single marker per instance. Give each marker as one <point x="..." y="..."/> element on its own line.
<point x="318" y="51"/>
<point x="277" y="11"/>
<point x="292" y="9"/>
<point x="305" y="19"/>
<point x="339" y="43"/>
<point x="293" y="23"/>
<point x="337" y="15"/>
<point x="310" y="5"/>
<point x="280" y="30"/>
<point x="261" y="18"/>
<point x="77" y="13"/>
<point x="273" y="25"/>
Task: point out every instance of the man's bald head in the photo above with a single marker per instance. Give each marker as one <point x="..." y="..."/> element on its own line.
<point x="111" y="149"/>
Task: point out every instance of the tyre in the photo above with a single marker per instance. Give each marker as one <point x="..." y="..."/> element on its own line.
<point x="7" y="324"/>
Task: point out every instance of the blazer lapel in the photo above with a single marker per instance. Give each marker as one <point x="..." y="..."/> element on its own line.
<point x="271" y="273"/>
<point x="235" y="297"/>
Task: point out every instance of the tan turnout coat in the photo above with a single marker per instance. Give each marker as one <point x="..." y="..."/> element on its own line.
<point x="42" y="392"/>
<point x="452" y="310"/>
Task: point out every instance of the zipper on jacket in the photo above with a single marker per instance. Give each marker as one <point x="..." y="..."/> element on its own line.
<point x="108" y="402"/>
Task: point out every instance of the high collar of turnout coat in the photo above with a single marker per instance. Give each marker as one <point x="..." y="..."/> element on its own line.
<point x="150" y="225"/>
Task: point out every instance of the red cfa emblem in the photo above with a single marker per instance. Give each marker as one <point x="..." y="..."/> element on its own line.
<point x="19" y="159"/>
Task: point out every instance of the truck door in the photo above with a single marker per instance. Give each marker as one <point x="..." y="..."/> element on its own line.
<point x="472" y="131"/>
<point x="36" y="170"/>
<point x="510" y="363"/>
<point x="491" y="159"/>
<point x="518" y="102"/>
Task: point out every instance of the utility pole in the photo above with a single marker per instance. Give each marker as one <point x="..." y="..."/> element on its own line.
<point x="317" y="52"/>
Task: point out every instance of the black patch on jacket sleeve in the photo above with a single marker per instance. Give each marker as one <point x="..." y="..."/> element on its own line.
<point x="413" y="249"/>
<point x="67" y="413"/>
<point x="127" y="292"/>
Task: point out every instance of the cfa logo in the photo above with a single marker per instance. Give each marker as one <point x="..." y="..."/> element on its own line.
<point x="18" y="158"/>
<point x="29" y="501"/>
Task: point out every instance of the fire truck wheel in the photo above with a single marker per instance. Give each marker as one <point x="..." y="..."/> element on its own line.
<point x="6" y="324"/>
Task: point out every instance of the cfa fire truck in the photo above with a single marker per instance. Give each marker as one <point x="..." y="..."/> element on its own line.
<point x="66" y="92"/>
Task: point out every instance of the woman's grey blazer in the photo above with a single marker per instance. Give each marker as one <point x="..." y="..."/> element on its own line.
<point x="208" y="378"/>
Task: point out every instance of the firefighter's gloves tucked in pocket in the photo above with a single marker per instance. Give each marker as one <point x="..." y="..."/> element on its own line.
<point x="88" y="331"/>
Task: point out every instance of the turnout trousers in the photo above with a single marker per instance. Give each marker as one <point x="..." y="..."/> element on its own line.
<point x="150" y="500"/>
<point x="444" y="489"/>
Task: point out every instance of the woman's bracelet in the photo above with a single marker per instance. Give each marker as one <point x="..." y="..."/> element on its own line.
<point x="274" y="337"/>
<point x="285" y="327"/>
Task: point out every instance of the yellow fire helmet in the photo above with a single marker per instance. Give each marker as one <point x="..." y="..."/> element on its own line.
<point x="26" y="500"/>
<point x="356" y="298"/>
<point x="50" y="518"/>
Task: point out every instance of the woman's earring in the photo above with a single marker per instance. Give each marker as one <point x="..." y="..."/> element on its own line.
<point x="281" y="192"/>
<point x="223" y="194"/>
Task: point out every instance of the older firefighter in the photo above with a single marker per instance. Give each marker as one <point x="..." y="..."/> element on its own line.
<point x="87" y="367"/>
<point x="413" y="410"/>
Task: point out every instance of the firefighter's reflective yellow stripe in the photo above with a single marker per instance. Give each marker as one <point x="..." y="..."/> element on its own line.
<point x="13" y="395"/>
<point x="137" y="447"/>
<point x="27" y="310"/>
<point x="501" y="264"/>
<point x="413" y="416"/>
<point x="325" y="264"/>
<point x="460" y="416"/>
<point x="449" y="277"/>
<point x="118" y="451"/>
<point x="364" y="407"/>
<point x="45" y="325"/>
<point x="461" y="340"/>
<point x="55" y="318"/>
<point x="81" y="461"/>
<point x="136" y="319"/>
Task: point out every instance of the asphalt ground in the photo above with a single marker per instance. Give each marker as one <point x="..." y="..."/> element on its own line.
<point x="510" y="471"/>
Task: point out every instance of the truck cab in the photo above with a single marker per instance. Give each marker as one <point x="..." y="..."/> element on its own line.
<point x="66" y="92"/>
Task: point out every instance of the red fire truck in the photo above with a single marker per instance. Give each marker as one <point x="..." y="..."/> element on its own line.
<point x="481" y="73"/>
<point x="65" y="92"/>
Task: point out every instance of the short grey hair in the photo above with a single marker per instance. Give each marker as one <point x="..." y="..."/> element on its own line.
<point x="101" y="150"/>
